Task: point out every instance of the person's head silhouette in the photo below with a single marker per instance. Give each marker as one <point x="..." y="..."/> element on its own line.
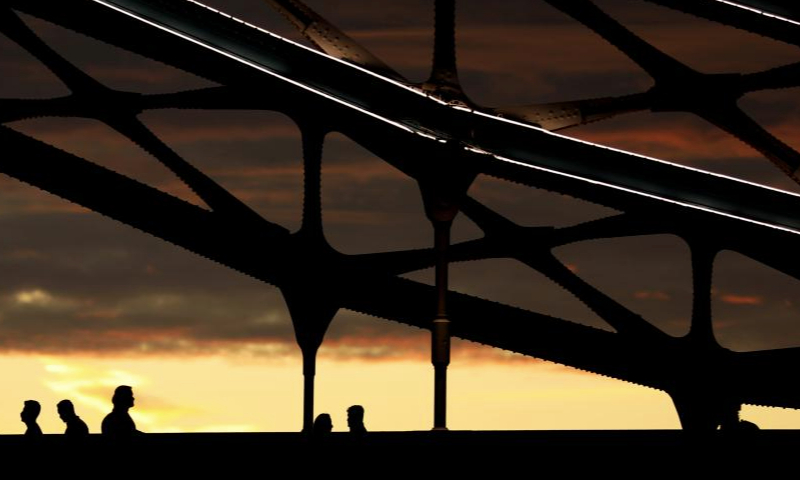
<point x="123" y="398"/>
<point x="322" y="424"/>
<point x="355" y="419"/>
<point x="29" y="414"/>
<point x="66" y="410"/>
<point x="30" y="411"/>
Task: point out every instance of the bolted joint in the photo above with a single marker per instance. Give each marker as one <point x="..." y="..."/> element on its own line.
<point x="440" y="207"/>
<point x="441" y="211"/>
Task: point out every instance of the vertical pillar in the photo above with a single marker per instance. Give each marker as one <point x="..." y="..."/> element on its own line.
<point x="308" y="292"/>
<point x="704" y="393"/>
<point x="313" y="137"/>
<point x="443" y="79"/>
<point x="441" y="206"/>
<point x="311" y="313"/>
<point x="309" y="371"/>
<point x="702" y="328"/>
<point x="440" y="332"/>
<point x="444" y="71"/>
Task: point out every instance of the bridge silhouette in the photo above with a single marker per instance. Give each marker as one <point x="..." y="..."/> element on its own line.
<point x="436" y="135"/>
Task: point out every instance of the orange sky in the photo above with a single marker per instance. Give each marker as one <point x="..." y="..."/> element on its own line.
<point x="217" y="394"/>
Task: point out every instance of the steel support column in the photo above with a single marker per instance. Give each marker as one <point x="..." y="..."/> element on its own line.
<point x="440" y="332"/>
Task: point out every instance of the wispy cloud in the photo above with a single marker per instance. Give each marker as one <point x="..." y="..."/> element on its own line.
<point x="742" y="299"/>
<point x="652" y="295"/>
<point x="92" y="388"/>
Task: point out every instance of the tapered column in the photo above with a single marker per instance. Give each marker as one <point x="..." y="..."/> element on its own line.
<point x="309" y="293"/>
<point x="441" y="206"/>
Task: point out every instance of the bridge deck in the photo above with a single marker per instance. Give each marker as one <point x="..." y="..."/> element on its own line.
<point x="502" y="452"/>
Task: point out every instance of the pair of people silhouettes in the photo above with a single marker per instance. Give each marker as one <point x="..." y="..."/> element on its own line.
<point x="75" y="426"/>
<point x="355" y="422"/>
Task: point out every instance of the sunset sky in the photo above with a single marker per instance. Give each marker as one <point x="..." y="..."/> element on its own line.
<point x="87" y="303"/>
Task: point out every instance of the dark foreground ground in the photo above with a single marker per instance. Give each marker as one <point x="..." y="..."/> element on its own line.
<point x="425" y="454"/>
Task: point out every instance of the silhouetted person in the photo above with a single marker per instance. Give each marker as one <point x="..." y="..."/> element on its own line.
<point x="322" y="426"/>
<point x="75" y="426"/>
<point x="119" y="423"/>
<point x="355" y="420"/>
<point x="731" y="423"/>
<point x="29" y="414"/>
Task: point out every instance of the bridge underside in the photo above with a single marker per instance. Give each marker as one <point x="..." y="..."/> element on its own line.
<point x="443" y="146"/>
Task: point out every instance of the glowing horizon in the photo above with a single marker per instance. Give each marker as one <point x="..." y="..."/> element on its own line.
<point x="215" y="394"/>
